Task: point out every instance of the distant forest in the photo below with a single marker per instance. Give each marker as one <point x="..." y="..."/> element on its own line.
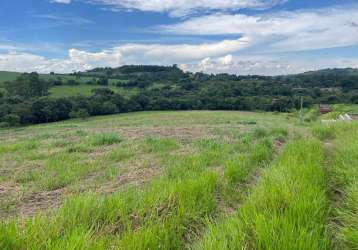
<point x="26" y="100"/>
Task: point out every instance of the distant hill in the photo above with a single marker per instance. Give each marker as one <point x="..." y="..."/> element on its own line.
<point x="335" y="71"/>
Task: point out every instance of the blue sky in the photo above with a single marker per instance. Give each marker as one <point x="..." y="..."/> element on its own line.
<point x="235" y="36"/>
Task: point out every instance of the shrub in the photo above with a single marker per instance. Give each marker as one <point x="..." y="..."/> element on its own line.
<point x="11" y="119"/>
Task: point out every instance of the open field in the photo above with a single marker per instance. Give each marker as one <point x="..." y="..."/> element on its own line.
<point x="179" y="180"/>
<point x="8" y="76"/>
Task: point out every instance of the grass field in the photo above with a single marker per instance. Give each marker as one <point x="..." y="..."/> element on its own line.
<point x="179" y="180"/>
<point x="8" y="76"/>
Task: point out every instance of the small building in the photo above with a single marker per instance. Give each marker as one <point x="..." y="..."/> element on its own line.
<point x="324" y="108"/>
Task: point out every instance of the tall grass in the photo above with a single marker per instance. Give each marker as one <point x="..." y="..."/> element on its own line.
<point x="286" y="210"/>
<point x="168" y="213"/>
<point x="343" y="172"/>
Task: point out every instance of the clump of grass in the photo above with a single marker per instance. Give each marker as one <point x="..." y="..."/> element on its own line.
<point x="105" y="139"/>
<point x="325" y="132"/>
<point x="286" y="210"/>
<point x="260" y="133"/>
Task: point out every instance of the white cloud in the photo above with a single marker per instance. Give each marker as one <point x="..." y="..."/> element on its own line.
<point x="178" y="53"/>
<point x="264" y="65"/>
<point x="61" y="1"/>
<point x="283" y="31"/>
<point x="254" y="65"/>
<point x="124" y="54"/>
<point x="184" y="7"/>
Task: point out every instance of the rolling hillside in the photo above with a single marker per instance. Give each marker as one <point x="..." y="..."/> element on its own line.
<point x="179" y="180"/>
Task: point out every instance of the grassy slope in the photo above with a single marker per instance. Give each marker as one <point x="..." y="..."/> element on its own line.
<point x="175" y="180"/>
<point x="189" y="150"/>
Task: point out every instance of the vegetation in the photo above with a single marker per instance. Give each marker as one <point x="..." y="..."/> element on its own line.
<point x="184" y="185"/>
<point x="287" y="210"/>
<point x="179" y="180"/>
<point x="343" y="174"/>
<point x="31" y="98"/>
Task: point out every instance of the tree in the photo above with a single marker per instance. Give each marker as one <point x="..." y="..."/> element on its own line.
<point x="11" y="120"/>
<point x="80" y="113"/>
<point x="102" y="81"/>
<point x="62" y="110"/>
<point x="43" y="110"/>
<point x="27" y="86"/>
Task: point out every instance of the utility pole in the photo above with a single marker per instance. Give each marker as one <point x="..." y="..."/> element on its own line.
<point x="300" y="93"/>
<point x="301" y="110"/>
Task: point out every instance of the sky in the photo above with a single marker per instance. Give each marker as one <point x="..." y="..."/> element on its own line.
<point x="264" y="37"/>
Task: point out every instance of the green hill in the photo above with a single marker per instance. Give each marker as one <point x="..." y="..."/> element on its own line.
<point x="202" y="180"/>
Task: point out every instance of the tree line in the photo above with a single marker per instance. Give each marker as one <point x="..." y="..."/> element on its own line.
<point x="27" y="101"/>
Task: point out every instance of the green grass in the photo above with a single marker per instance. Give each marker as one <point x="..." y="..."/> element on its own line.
<point x="179" y="180"/>
<point x="287" y="210"/>
<point x="167" y="213"/>
<point x="343" y="173"/>
<point x="8" y="76"/>
<point x="199" y="178"/>
<point x="104" y="139"/>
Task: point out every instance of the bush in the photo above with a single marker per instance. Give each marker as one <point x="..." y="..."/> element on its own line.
<point x="11" y="119"/>
<point x="4" y="125"/>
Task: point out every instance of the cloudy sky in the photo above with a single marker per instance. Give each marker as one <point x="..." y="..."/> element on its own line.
<point x="266" y="37"/>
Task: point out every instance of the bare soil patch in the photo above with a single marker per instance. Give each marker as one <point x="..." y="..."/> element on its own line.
<point x="135" y="176"/>
<point x="37" y="202"/>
